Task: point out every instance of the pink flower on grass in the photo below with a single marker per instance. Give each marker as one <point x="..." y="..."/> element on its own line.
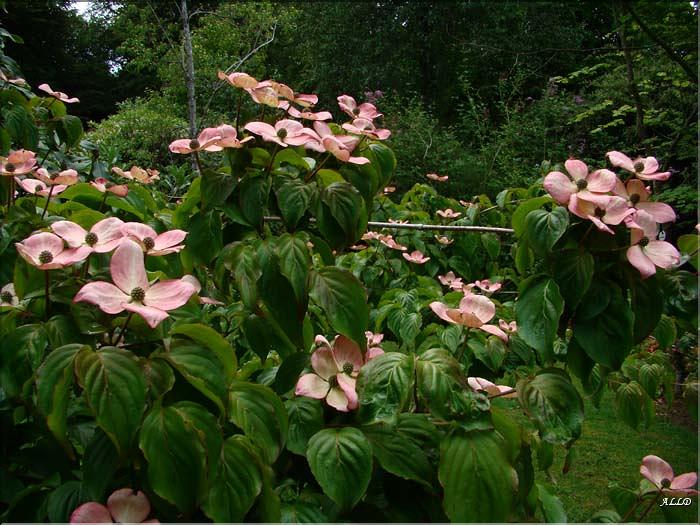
<point x="239" y="80"/>
<point x="487" y="286"/>
<point x="58" y="94"/>
<point x="335" y="368"/>
<point x="366" y="111"/>
<point x="646" y="253"/>
<point x="144" y="176"/>
<point x="660" y="473"/>
<point x="437" y="178"/>
<point x="46" y="251"/>
<point x="103" y="237"/>
<point x="18" y="162"/>
<point x="36" y="187"/>
<point x="637" y="196"/>
<point x="480" y="384"/>
<point x="645" y="168"/>
<point x="416" y="257"/>
<point x="63" y="178"/>
<point x="8" y="296"/>
<point x="448" y="213"/>
<point x="561" y="187"/>
<point x="474" y="311"/>
<point x="340" y="146"/>
<point x="153" y="243"/>
<point x="123" y="506"/>
<point x="131" y="290"/>
<point x="363" y="126"/>
<point x="284" y="133"/>
<point x="602" y="210"/>
<point x="103" y="185"/>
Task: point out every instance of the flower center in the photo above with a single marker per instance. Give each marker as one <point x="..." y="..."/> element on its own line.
<point x="643" y="241"/>
<point x="91" y="239"/>
<point x="582" y="184"/>
<point x="333" y="381"/>
<point x="639" y="166"/>
<point x="348" y="368"/>
<point x="665" y="483"/>
<point x="194" y="144"/>
<point x="9" y="167"/>
<point x="138" y="294"/>
<point x="282" y="133"/>
<point x="45" y="257"/>
<point x="635" y="198"/>
<point x="149" y="243"/>
<point x="6" y="297"/>
<point x="356" y="111"/>
<point x="600" y="213"/>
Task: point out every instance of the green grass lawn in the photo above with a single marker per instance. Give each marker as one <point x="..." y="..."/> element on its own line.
<point x="610" y="451"/>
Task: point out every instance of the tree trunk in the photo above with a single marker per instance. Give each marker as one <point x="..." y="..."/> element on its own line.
<point x="631" y="83"/>
<point x="189" y="69"/>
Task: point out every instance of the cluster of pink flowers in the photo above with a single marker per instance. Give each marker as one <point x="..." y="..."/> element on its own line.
<point x="474" y="311"/>
<point x="289" y="132"/>
<point x="603" y="198"/>
<point x="21" y="164"/>
<point x="335" y="369"/>
<point x="144" y="176"/>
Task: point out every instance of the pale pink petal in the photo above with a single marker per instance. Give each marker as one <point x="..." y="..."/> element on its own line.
<point x="106" y="296"/>
<point x="44" y="241"/>
<point x="311" y="385"/>
<point x="559" y="186"/>
<point x="654" y="176"/>
<point x="641" y="262"/>
<point x="373" y="352"/>
<point x="168" y="295"/>
<point x="152" y="316"/>
<point x="616" y="211"/>
<point x="347" y="385"/>
<point x="191" y="279"/>
<point x="127" y="268"/>
<point x="127" y="506"/>
<point x="320" y="340"/>
<point x="169" y="239"/>
<point x="636" y="186"/>
<point x="494" y="330"/>
<point x="346" y="351"/>
<point x="441" y="310"/>
<point x="620" y="160"/>
<point x="91" y="512"/>
<point x="685" y="481"/>
<point x="323" y="363"/>
<point x="139" y="231"/>
<point x="338" y="400"/>
<point x="656" y="470"/>
<point x="651" y="165"/>
<point x="478" y="305"/>
<point x="601" y="181"/>
<point x="109" y="234"/>
<point x="70" y="232"/>
<point x="660" y="211"/>
<point x="576" y="168"/>
<point x="73" y="255"/>
<point x="181" y="146"/>
<point x="261" y="128"/>
<point x="662" y="253"/>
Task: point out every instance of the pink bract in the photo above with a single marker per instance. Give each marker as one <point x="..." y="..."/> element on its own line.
<point x="335" y="368"/>
<point x="474" y="311"/>
<point x="647" y="253"/>
<point x="239" y="80"/>
<point x="63" y="178"/>
<point x="481" y="384"/>
<point x="284" y="133"/>
<point x="487" y="286"/>
<point x="448" y="213"/>
<point x="8" y="296"/>
<point x="364" y="126"/>
<point x="131" y="290"/>
<point x="36" y="187"/>
<point x="123" y="506"/>
<point x="205" y="141"/>
<point x="366" y="110"/>
<point x="637" y="196"/>
<point x="58" y="94"/>
<point x="152" y="242"/>
<point x="416" y="256"/>
<point x="103" y="237"/>
<point x="602" y="210"/>
<point x="47" y="252"/>
<point x="645" y="168"/>
<point x="18" y="162"/>
<point x="103" y="185"/>
<point x="561" y="187"/>
<point x="340" y="146"/>
<point x="436" y="177"/>
<point x="145" y="176"/>
<point x="660" y="473"/>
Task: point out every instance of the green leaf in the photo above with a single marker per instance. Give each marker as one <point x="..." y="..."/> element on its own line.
<point x="405" y="324"/>
<point x="436" y="373"/>
<point x="54" y="382"/>
<point x="200" y="367"/>
<point x="214" y="341"/>
<point x="543" y="228"/>
<point x="342" y="298"/>
<point x="305" y="419"/>
<point x="607" y="337"/>
<point x="552" y="507"/>
<point x="70" y="130"/>
<point x="629" y="401"/>
<point x="385" y="386"/>
<point x="341" y="461"/>
<point x="100" y="463"/>
<point x="650" y="377"/>
<point x="521" y="212"/>
<point x="236" y="484"/>
<point x="479" y="484"/>
<point x="492" y="244"/>
<point x="280" y="301"/>
<point x="253" y="194"/>
<point x="216" y="188"/>
<point x="665" y="332"/>
<point x="160" y="377"/>
<point x="554" y="404"/>
<point x="115" y="389"/>
<point x="243" y="262"/>
<point x="647" y="305"/>
<point x="689" y="245"/>
<point x="385" y="164"/>
<point x="18" y="122"/>
<point x="293" y="199"/>
<point x="64" y="500"/>
<point x="181" y="443"/>
<point x="399" y="455"/>
<point x="295" y="262"/>
<point x="204" y="240"/>
<point x="259" y="412"/>
<point x="347" y="208"/>
<point x="573" y="272"/>
<point x="537" y="312"/>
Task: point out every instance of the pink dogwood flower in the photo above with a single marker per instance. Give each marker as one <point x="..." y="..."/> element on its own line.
<point x="335" y="368"/>
<point x="228" y="138"/>
<point x="36" y="187"/>
<point x="58" y="94"/>
<point x="268" y="93"/>
<point x="153" y="243"/>
<point x="487" y="286"/>
<point x="103" y="185"/>
<point x="103" y="237"/>
<point x="305" y="113"/>
<point x="449" y="213"/>
<point x="46" y="251"/>
<point x="601" y="210"/>
<point x="437" y="178"/>
<point x="63" y="178"/>
<point x="474" y="311"/>
<point x="239" y="80"/>
<point x="144" y="176"/>
<point x="366" y="110"/>
<point x="8" y="296"/>
<point x="561" y="187"/>
<point x="451" y="280"/>
<point x="444" y="240"/>
<point x="508" y="328"/>
<point x="645" y="168"/>
<point x="660" y="473"/>
<point x="371" y="236"/>
<point x="15" y="81"/>
<point x="123" y="506"/>
<point x="637" y="196"/>
<point x="646" y="253"/>
<point x="340" y="146"/>
<point x="390" y="189"/>
<point x="131" y="290"/>
<point x="416" y="256"/>
<point x="389" y="242"/>
<point x="373" y="348"/>
<point x="479" y="384"/>
<point x="18" y="162"/>
<point x="363" y="126"/>
<point x="205" y="141"/>
<point x="198" y="288"/>
<point x="284" y="133"/>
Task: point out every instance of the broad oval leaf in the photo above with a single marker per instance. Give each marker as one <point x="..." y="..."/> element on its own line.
<point x="537" y="311"/>
<point x="385" y="386"/>
<point x="544" y="228"/>
<point x="214" y="341"/>
<point x="305" y="419"/>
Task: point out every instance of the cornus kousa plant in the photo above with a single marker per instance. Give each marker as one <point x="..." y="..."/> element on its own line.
<point x="169" y="343"/>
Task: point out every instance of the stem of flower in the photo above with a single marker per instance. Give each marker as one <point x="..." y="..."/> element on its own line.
<point x="272" y="158"/>
<point x="512" y="390"/>
<point x="47" y="308"/>
<point x="198" y="162"/>
<point x="238" y="109"/>
<point x="102" y="204"/>
<point x="12" y="191"/>
<point x="585" y="235"/>
<point x="317" y="168"/>
<point x="648" y="509"/>
<point x="87" y="266"/>
<point x="121" y="333"/>
<point x="48" y="198"/>
<point x="461" y="351"/>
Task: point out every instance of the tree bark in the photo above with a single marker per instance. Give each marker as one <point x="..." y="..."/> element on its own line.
<point x="189" y="69"/>
<point x="631" y="83"/>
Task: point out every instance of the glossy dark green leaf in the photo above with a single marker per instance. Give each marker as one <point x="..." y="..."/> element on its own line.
<point x="537" y="311"/>
<point x="305" y="419"/>
<point x="385" y="386"/>
<point x="253" y="194"/>
<point x="100" y="463"/>
<point x="204" y="240"/>
<point x="573" y="272"/>
<point x="295" y="262"/>
<point x="629" y="403"/>
<point x="543" y="228"/>
<point x="521" y="212"/>
<point x="293" y="200"/>
<point x="214" y="341"/>
<point x="216" y="188"/>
